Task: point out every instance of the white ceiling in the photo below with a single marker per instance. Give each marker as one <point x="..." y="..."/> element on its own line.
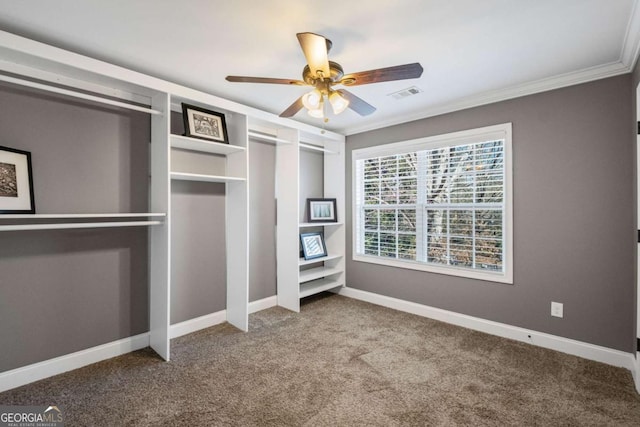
<point x="473" y="52"/>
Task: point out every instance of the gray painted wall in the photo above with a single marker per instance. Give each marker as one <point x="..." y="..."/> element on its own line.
<point x="198" y="260"/>
<point x="262" y="220"/>
<point x="311" y="180"/>
<point x="574" y="225"/>
<point x="64" y="291"/>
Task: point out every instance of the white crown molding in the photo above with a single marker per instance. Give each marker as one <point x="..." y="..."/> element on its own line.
<point x="629" y="53"/>
<point x="631" y="44"/>
<point x="540" y="339"/>
<point x="563" y="80"/>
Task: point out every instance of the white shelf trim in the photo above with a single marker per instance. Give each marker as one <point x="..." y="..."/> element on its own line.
<point x="80" y="95"/>
<point x="318" y="273"/>
<point x="315" y="260"/>
<point x="317" y="286"/>
<point x="183" y="176"/>
<point x="268" y="138"/>
<point x="67" y="226"/>
<point x="316" y="148"/>
<point x="318" y="224"/>
<point x="75" y="216"/>
<point x="194" y="144"/>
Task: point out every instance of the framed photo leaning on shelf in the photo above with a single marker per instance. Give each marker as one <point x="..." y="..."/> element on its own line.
<point x="322" y="210"/>
<point x="204" y="124"/>
<point x="313" y="245"/>
<point x="16" y="182"/>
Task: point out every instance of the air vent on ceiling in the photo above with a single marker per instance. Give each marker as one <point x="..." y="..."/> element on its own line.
<point x="410" y="91"/>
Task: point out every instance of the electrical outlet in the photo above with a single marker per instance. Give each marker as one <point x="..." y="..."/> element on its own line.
<point x="556" y="309"/>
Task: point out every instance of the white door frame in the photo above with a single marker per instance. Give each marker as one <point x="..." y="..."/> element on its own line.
<point x="637" y="367"/>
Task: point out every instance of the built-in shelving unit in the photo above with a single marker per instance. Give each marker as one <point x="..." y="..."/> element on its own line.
<point x="41" y="67"/>
<point x="234" y="175"/>
<point x="299" y="278"/>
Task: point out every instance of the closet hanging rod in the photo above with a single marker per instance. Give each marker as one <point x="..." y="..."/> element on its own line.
<point x="75" y="94"/>
<point x="266" y="137"/>
<point x="316" y="148"/>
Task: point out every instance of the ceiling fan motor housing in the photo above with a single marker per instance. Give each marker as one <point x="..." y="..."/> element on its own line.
<point x="336" y="74"/>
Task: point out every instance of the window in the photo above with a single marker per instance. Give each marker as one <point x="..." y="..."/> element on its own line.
<point x="440" y="204"/>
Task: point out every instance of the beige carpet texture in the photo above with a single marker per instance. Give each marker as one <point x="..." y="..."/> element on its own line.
<point x="341" y="362"/>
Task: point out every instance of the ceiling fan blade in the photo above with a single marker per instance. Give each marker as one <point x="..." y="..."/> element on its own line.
<point x="316" y="49"/>
<point x="399" y="72"/>
<point x="293" y="108"/>
<point x="358" y="105"/>
<point x="244" y="79"/>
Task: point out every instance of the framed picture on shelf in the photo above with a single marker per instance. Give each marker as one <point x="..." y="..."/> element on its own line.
<point x="16" y="182"/>
<point x="322" y="210"/>
<point x="204" y="124"/>
<point x="313" y="245"/>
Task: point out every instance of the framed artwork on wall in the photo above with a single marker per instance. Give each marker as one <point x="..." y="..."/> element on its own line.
<point x="322" y="210"/>
<point x="204" y="124"/>
<point x="16" y="182"/>
<point x="313" y="245"/>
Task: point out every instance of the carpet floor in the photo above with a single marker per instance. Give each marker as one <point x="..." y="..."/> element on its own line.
<point x="341" y="362"/>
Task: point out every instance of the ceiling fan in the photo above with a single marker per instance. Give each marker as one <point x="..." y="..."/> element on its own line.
<point x="323" y="74"/>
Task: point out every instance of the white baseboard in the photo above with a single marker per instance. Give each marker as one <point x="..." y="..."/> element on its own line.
<point x="209" y="320"/>
<point x="192" y="325"/>
<point x="564" y="345"/>
<point x="263" y="304"/>
<point x="37" y="371"/>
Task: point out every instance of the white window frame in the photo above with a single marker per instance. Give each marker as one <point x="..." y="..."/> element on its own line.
<point x="496" y="132"/>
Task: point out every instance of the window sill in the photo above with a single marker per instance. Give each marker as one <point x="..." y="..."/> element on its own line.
<point x="506" y="277"/>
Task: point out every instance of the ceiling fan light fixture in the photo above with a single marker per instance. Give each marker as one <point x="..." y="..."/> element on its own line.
<point x="338" y="103"/>
<point x="312" y="100"/>
<point x="318" y="113"/>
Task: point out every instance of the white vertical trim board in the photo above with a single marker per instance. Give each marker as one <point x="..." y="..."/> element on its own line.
<point x="540" y="339"/>
<point x="636" y="372"/>
<point x="48" y="368"/>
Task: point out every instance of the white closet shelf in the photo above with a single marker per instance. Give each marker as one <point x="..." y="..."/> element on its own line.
<point x="183" y="176"/>
<point x="318" y="273"/>
<point x="317" y="286"/>
<point x="76" y="225"/>
<point x="194" y="144"/>
<point x="87" y="215"/>
<point x="318" y="224"/>
<point x="268" y="138"/>
<point x="323" y="259"/>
